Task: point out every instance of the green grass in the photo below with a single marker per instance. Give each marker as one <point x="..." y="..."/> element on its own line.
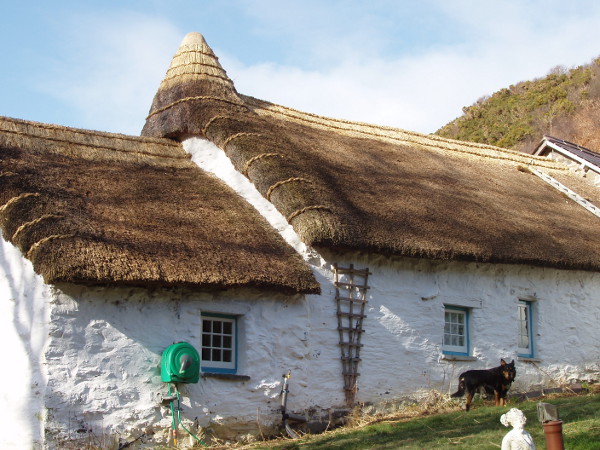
<point x="480" y="428"/>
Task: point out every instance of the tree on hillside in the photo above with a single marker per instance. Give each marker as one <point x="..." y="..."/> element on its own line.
<point x="565" y="103"/>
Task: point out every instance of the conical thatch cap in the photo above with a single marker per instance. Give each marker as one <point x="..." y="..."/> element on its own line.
<point x="195" y="61"/>
<point x="195" y="88"/>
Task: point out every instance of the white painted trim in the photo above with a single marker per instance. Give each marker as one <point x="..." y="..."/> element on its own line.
<point x="570" y="155"/>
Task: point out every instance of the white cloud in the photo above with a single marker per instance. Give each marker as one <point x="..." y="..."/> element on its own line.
<point x="110" y="69"/>
<point x="351" y="62"/>
<point x="505" y="43"/>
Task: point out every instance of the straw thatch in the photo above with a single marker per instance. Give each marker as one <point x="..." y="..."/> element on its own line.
<point x="99" y="208"/>
<point x="354" y="186"/>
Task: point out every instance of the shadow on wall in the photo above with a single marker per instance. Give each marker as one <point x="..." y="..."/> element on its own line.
<point x="23" y="325"/>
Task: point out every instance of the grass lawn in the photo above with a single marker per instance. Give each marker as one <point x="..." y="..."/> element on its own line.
<point x="480" y="428"/>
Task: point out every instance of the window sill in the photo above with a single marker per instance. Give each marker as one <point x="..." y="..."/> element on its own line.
<point x="458" y="358"/>
<point x="225" y="376"/>
<point x="528" y="359"/>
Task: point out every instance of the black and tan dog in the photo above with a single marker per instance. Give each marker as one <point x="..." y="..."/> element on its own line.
<point x="496" y="380"/>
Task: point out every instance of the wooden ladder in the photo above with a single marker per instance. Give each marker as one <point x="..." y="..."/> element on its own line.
<point x="351" y="298"/>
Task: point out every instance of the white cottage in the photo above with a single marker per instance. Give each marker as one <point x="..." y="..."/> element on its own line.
<point x="385" y="263"/>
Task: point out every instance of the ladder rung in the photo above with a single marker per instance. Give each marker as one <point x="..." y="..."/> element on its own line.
<point x="351" y="344"/>
<point x="351" y="270"/>
<point x="350" y="285"/>
<point x="353" y="315"/>
<point x="350" y="329"/>
<point x="349" y="299"/>
<point x="345" y="358"/>
<point x="350" y="374"/>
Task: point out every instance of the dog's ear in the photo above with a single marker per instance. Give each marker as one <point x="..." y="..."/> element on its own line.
<point x="502" y="362"/>
<point x="512" y="363"/>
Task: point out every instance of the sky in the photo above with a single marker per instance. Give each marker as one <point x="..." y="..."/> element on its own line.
<point x="411" y="64"/>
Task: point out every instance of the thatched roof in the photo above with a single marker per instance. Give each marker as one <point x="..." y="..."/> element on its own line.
<point x="354" y="186"/>
<point x="100" y="208"/>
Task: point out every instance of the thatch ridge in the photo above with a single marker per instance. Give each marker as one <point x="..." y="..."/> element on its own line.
<point x="100" y="208"/>
<point x="35" y="129"/>
<point x="89" y="144"/>
<point x="392" y="134"/>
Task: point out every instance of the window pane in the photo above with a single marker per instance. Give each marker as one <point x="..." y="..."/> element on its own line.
<point x="218" y="343"/>
<point x="524" y="328"/>
<point x="455" y="330"/>
<point x="524" y="341"/>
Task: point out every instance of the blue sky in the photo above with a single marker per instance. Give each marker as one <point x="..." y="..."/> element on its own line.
<point x="409" y="64"/>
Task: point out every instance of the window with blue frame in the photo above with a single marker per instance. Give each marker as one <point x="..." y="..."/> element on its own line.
<point x="525" y="326"/>
<point x="456" y="330"/>
<point x="219" y="343"/>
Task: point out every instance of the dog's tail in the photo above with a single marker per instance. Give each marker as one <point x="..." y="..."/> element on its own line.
<point x="461" y="388"/>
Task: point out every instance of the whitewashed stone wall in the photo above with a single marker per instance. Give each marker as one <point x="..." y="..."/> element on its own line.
<point x="105" y="345"/>
<point x="402" y="352"/>
<point x="24" y="313"/>
<point x="101" y="350"/>
<point x="104" y="359"/>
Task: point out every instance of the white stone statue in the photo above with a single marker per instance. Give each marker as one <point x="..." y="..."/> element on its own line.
<point x="517" y="438"/>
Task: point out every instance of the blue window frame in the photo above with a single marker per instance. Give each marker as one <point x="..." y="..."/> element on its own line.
<point x="456" y="330"/>
<point x="525" y="325"/>
<point x="219" y="343"/>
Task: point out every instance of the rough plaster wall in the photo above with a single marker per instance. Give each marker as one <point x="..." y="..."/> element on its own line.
<point x="104" y="357"/>
<point x="105" y="345"/>
<point x="402" y="350"/>
<point x="23" y="330"/>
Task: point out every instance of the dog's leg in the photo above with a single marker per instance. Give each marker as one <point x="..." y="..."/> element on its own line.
<point x="497" y="397"/>
<point x="469" y="398"/>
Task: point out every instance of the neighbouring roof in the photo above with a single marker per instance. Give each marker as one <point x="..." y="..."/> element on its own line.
<point x="584" y="156"/>
<point x="353" y="186"/>
<point x="99" y="208"/>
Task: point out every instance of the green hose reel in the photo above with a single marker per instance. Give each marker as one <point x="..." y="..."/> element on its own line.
<point x="180" y="364"/>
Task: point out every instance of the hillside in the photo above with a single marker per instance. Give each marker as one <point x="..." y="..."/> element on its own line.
<point x="565" y="104"/>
